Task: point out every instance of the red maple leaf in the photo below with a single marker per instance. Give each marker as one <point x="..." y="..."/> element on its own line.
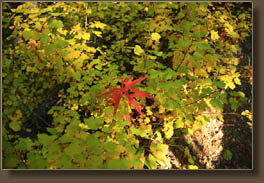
<point x="118" y="93"/>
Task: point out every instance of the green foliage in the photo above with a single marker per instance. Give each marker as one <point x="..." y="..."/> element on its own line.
<point x="186" y="52"/>
<point x="227" y="155"/>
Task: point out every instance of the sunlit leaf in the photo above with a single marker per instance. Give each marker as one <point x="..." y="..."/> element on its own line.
<point x="138" y="50"/>
<point x="216" y="103"/>
<point x="155" y="36"/>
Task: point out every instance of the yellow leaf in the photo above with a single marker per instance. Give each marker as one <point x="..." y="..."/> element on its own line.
<point x="249" y="123"/>
<point x="168" y="129"/>
<point x="98" y="24"/>
<point x="223" y="18"/>
<point x="193" y="167"/>
<point x="235" y="61"/>
<point x="138" y="50"/>
<point x="75" y="107"/>
<point x="90" y="49"/>
<point x="78" y="64"/>
<point x="86" y="36"/>
<point x="160" y="151"/>
<point x="83" y="126"/>
<point x="60" y="30"/>
<point x="161" y="109"/>
<point x="247" y="114"/>
<point x="237" y="81"/>
<point x="149" y="112"/>
<point x="155" y="36"/>
<point x="214" y="35"/>
<point x="72" y="55"/>
<point x="196" y="125"/>
<point x="234" y="49"/>
<point x="97" y="33"/>
<point x="147" y="120"/>
<point x="76" y="28"/>
<point x="220" y="117"/>
<point x="19" y="113"/>
<point x="88" y="11"/>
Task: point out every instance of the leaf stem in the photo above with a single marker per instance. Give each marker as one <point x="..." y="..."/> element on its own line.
<point x="184" y="56"/>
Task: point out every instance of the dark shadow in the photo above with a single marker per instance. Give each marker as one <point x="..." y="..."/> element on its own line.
<point x="237" y="133"/>
<point x="181" y="158"/>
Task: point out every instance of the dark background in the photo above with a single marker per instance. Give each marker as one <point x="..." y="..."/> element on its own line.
<point x="255" y="175"/>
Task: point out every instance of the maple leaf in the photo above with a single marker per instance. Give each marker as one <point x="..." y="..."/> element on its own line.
<point x="118" y="93"/>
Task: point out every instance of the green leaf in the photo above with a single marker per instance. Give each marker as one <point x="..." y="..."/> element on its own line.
<point x="138" y="50"/>
<point x="202" y="45"/>
<point x="170" y="105"/>
<point x="98" y="67"/>
<point x="183" y="69"/>
<point x="27" y="35"/>
<point x="53" y="131"/>
<point x="44" y="38"/>
<point x="62" y="44"/>
<point x="155" y="36"/>
<point x="110" y="146"/>
<point x="25" y="144"/>
<point x="152" y="57"/>
<point x="56" y="14"/>
<point x="14" y="125"/>
<point x="183" y="44"/>
<point x="158" y="53"/>
<point x="235" y="133"/>
<point x="227" y="155"/>
<point x="219" y="84"/>
<point x="77" y="75"/>
<point x="179" y="123"/>
<point x="204" y="4"/>
<point x="138" y="131"/>
<point x="179" y="16"/>
<point x="35" y="35"/>
<point x="56" y="24"/>
<point x="151" y="162"/>
<point x="36" y="161"/>
<point x="196" y="56"/>
<point x="51" y="47"/>
<point x="11" y="161"/>
<point x="216" y="103"/>
<point x="65" y="162"/>
<point x="94" y="123"/>
<point x="122" y="124"/>
<point x="73" y="149"/>
<point x="187" y="25"/>
<point x="177" y="132"/>
<point x="118" y="164"/>
<point x="234" y="103"/>
<point x="46" y="139"/>
<point x="41" y="66"/>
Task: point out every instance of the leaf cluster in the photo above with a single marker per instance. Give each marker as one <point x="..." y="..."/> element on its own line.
<point x="186" y="53"/>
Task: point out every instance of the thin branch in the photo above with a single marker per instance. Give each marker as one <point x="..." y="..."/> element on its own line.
<point x="200" y="99"/>
<point x="185" y="54"/>
<point x="222" y="113"/>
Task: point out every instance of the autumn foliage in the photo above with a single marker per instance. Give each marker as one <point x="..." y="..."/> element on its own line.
<point x="184" y="57"/>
